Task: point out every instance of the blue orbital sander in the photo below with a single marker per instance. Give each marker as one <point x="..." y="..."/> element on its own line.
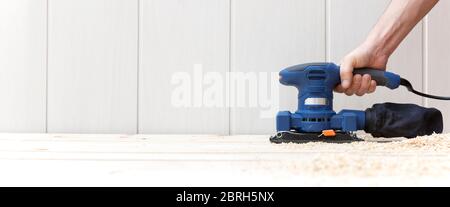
<point x="315" y="119"/>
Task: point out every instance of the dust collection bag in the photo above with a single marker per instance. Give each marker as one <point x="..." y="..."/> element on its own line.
<point x="402" y="120"/>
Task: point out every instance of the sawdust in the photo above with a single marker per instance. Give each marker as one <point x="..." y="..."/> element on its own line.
<point x="433" y="143"/>
<point x="407" y="158"/>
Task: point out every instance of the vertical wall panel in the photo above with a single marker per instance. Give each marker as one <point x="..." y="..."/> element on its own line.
<point x="22" y="65"/>
<point x="92" y="74"/>
<point x="267" y="36"/>
<point x="175" y="35"/>
<point x="349" y="27"/>
<point x="438" y="67"/>
<point x="94" y="78"/>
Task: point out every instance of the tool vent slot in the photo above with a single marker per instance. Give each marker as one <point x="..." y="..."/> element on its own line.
<point x="316" y="75"/>
<point x="316" y="119"/>
<point x="316" y="72"/>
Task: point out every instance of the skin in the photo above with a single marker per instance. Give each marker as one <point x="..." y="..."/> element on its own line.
<point x="397" y="21"/>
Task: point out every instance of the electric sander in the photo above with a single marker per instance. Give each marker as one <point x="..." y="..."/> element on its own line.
<point x="315" y="119"/>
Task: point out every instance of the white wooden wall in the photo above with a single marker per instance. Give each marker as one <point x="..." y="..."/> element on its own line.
<point x="105" y="66"/>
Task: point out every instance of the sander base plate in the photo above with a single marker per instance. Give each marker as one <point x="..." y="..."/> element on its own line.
<point x="297" y="137"/>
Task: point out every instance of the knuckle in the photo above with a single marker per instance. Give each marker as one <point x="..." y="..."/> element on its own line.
<point x="349" y="92"/>
<point x="361" y="92"/>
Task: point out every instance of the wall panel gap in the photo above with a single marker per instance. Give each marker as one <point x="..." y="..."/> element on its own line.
<point x="327" y="30"/>
<point x="138" y="62"/>
<point x="425" y="59"/>
<point x="230" y="26"/>
<point x="46" y="65"/>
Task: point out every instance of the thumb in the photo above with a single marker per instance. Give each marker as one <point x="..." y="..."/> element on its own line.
<point x="346" y="72"/>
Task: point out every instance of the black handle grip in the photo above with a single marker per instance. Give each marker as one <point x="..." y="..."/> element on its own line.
<point x="383" y="78"/>
<point x="376" y="74"/>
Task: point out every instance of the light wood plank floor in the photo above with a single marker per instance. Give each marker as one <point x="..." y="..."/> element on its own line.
<point x="203" y="160"/>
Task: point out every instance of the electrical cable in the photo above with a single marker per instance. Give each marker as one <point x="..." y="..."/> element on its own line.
<point x="408" y="85"/>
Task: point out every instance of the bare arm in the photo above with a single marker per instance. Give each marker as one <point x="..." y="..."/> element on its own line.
<point x="397" y="21"/>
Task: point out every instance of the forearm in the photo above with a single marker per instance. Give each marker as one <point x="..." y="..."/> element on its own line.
<point x="397" y="21"/>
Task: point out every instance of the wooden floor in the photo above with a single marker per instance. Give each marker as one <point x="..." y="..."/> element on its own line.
<point x="177" y="160"/>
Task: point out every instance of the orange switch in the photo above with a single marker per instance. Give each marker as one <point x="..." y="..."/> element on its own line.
<point x="329" y="133"/>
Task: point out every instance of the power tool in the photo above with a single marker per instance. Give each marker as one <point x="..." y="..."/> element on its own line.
<point x="315" y="119"/>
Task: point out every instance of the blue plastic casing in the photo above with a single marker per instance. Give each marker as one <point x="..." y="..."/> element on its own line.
<point x="315" y="83"/>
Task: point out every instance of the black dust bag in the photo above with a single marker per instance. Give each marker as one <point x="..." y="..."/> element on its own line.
<point x="402" y="120"/>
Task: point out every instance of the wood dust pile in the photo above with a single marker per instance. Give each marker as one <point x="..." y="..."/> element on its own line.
<point x="427" y="156"/>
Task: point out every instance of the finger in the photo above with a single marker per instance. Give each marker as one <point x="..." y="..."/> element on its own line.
<point x="372" y="87"/>
<point x="339" y="89"/>
<point x="356" y="83"/>
<point x="346" y="72"/>
<point x="365" y="84"/>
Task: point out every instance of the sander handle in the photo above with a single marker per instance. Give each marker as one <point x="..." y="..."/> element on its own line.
<point x="383" y="78"/>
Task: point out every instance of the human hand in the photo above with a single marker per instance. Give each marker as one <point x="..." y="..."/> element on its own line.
<point x="366" y="55"/>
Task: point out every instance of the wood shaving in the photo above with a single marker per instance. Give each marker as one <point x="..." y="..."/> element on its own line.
<point x="407" y="158"/>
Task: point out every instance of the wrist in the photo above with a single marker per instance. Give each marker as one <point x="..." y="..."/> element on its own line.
<point x="377" y="48"/>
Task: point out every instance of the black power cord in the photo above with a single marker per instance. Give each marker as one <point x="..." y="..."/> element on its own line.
<point x="408" y="85"/>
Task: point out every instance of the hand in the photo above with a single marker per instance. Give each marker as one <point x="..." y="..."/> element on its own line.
<point x="365" y="55"/>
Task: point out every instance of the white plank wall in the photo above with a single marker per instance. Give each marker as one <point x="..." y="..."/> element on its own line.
<point x="92" y="69"/>
<point x="437" y="68"/>
<point x="175" y="35"/>
<point x="349" y="27"/>
<point x="110" y="66"/>
<point x="268" y="36"/>
<point x="23" y="65"/>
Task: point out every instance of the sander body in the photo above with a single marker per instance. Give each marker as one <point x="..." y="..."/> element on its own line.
<point x="315" y="119"/>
